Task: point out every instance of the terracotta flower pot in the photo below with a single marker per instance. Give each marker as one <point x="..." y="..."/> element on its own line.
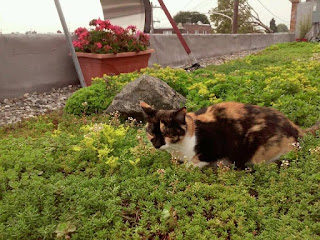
<point x="301" y="40"/>
<point x="96" y="65"/>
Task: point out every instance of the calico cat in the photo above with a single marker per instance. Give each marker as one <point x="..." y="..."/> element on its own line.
<point x="231" y="132"/>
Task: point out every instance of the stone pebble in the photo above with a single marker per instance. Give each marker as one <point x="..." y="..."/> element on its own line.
<point x="33" y="104"/>
<point x="225" y="58"/>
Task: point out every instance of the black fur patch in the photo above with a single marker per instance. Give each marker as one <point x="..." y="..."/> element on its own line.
<point x="223" y="139"/>
<point x="154" y="129"/>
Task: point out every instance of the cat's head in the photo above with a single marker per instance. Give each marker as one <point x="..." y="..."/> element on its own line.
<point x="165" y="127"/>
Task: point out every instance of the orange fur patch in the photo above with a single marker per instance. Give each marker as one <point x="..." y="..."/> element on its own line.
<point x="275" y="149"/>
<point x="206" y="117"/>
<point x="144" y="105"/>
<point x="234" y="110"/>
<point x="190" y="124"/>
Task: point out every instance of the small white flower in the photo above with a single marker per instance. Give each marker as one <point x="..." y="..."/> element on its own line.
<point x="297" y="145"/>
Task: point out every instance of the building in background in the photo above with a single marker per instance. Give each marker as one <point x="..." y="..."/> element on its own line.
<point x="305" y="13"/>
<point x="187" y="28"/>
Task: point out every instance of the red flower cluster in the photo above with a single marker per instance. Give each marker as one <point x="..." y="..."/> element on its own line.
<point x="108" y="38"/>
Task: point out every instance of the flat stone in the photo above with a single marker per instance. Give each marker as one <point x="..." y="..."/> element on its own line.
<point x="41" y="101"/>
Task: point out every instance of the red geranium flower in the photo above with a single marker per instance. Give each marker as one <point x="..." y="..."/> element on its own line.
<point x="108" y="38"/>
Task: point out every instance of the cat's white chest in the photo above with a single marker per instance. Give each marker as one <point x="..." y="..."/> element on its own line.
<point x="183" y="150"/>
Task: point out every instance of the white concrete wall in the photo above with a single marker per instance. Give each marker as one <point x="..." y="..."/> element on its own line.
<point x="40" y="62"/>
<point x="30" y="63"/>
<point x="169" y="51"/>
<point x="304" y="13"/>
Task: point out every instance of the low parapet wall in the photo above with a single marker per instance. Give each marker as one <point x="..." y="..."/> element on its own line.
<point x="34" y="63"/>
<point x="40" y="62"/>
<point x="169" y="51"/>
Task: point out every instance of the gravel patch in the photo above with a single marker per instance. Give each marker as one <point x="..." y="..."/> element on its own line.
<point x="31" y="105"/>
<point x="225" y="58"/>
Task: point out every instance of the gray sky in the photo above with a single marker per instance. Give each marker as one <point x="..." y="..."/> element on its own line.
<point x="41" y="15"/>
<point x="267" y="9"/>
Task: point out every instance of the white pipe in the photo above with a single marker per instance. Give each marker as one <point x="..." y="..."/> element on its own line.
<point x="68" y="37"/>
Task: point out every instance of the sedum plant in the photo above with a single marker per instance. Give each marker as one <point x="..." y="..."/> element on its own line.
<point x="99" y="141"/>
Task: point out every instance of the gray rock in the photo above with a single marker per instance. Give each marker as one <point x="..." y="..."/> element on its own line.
<point x="148" y="89"/>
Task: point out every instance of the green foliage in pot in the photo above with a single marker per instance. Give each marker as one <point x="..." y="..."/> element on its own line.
<point x="305" y="26"/>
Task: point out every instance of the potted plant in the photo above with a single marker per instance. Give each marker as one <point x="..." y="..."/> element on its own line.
<point x="305" y="26"/>
<point x="110" y="49"/>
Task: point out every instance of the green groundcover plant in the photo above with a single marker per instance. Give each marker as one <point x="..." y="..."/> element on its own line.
<point x="93" y="176"/>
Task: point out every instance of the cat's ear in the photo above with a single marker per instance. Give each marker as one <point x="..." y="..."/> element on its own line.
<point x="180" y="115"/>
<point x="147" y="109"/>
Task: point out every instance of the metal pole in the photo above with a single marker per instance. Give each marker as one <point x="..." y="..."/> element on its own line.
<point x="152" y="23"/>
<point x="152" y="17"/>
<point x="175" y="28"/>
<point x="68" y="37"/>
<point x="235" y="16"/>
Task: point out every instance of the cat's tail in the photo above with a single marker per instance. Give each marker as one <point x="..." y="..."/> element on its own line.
<point x="313" y="129"/>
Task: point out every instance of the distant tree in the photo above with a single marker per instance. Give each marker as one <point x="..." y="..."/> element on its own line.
<point x="59" y="31"/>
<point x="254" y="18"/>
<point x="273" y="25"/>
<point x="31" y="32"/>
<point x="193" y="17"/>
<point x="224" y="25"/>
<point x="282" y="28"/>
